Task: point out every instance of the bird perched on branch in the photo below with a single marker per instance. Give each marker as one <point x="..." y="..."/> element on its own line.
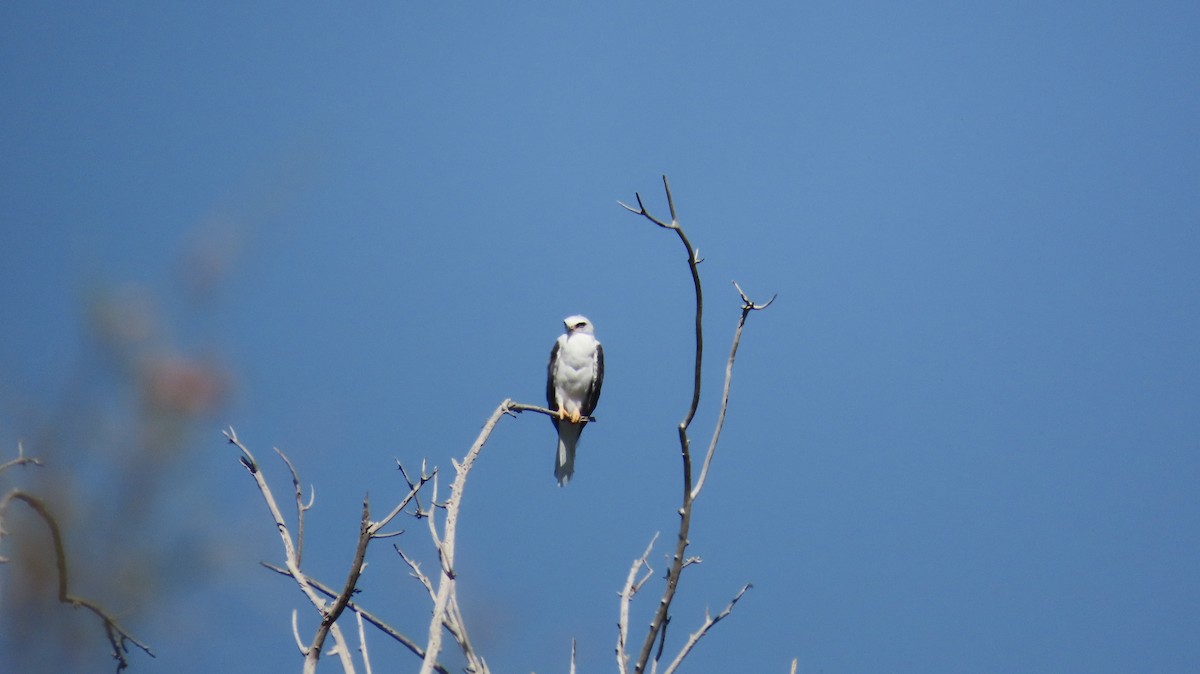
<point x="573" y="379"/>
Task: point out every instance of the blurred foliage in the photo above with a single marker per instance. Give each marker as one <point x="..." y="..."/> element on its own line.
<point x="115" y="445"/>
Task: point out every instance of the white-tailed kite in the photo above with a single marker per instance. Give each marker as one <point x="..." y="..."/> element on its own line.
<point x="573" y="380"/>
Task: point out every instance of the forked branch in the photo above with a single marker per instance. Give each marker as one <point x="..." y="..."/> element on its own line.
<point x="21" y="459"/>
<point x="370" y="617"/>
<point x="694" y="266"/>
<point x="709" y="621"/>
<point x="312" y="652"/>
<point x="691" y="490"/>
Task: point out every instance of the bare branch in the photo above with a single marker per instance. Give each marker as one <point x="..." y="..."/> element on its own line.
<point x="423" y="479"/>
<point x="693" y="266"/>
<point x="417" y="573"/>
<point x="522" y="407"/>
<point x="641" y="209"/>
<point x="296" y="633"/>
<point x="412" y="494"/>
<point x="444" y="603"/>
<point x="658" y="625"/>
<point x="431" y="516"/>
<point x="329" y="617"/>
<point x="632" y="585"/>
<point x="362" y="643"/>
<point x="458" y="630"/>
<point x="747" y="307"/>
<point x="447" y="614"/>
<point x="118" y="637"/>
<point x="301" y="506"/>
<point x="291" y="559"/>
<point x="21" y="459"/>
<point x="367" y="615"/>
<point x="709" y="621"/>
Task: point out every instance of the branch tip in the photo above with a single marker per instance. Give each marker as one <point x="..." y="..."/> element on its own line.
<point x="748" y="304"/>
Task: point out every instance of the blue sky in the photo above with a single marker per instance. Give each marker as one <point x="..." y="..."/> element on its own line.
<point x="964" y="439"/>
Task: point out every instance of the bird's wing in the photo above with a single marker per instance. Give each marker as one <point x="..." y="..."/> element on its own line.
<point x="551" y="371"/>
<point x="593" y="392"/>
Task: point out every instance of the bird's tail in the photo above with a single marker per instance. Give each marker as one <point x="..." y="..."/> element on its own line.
<point x="564" y="460"/>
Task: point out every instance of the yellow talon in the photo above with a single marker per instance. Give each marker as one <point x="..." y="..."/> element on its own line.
<point x="576" y="416"/>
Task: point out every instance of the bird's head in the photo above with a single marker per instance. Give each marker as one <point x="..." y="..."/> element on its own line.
<point x="578" y="324"/>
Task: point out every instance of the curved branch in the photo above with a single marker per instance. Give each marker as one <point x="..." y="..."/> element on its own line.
<point x="658" y="625"/>
<point x="659" y="622"/>
<point x="693" y="265"/>
<point x="118" y="637"/>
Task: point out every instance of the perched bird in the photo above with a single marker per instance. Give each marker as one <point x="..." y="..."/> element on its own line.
<point x="573" y="380"/>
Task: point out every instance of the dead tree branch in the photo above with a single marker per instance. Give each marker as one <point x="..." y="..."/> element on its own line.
<point x="632" y="585"/>
<point x="691" y="490"/>
<point x="370" y="617"/>
<point x="118" y="637"/>
<point x="445" y="608"/>
<point x="522" y="407"/>
<point x="292" y="561"/>
<point x="329" y="612"/>
<point x="747" y="307"/>
<point x="709" y="621"/>
<point x="21" y="460"/>
<point x="362" y="643"/>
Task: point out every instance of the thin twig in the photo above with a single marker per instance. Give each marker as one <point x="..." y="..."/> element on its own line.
<point x="296" y="633"/>
<point x="362" y="643"/>
<point x="21" y="459"/>
<point x="417" y="573"/>
<point x="709" y="621"/>
<point x="632" y="585"/>
<point x="301" y="506"/>
<point x="747" y="307"/>
<point x="118" y="637"/>
<point x="431" y="516"/>
<point x="412" y="494"/>
<point x="367" y="615"/>
<point x="424" y="477"/>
